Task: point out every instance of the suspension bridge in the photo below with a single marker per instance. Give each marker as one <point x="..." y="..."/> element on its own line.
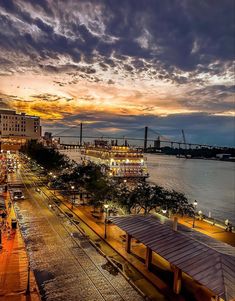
<point x="144" y="138"/>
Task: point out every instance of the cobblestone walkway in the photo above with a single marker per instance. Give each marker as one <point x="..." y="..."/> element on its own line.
<point x="66" y="266"/>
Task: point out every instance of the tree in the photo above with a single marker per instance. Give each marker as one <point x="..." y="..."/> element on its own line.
<point x="126" y="198"/>
<point x="146" y="197"/>
<point x="97" y="184"/>
<point x="159" y="196"/>
<point x="177" y="203"/>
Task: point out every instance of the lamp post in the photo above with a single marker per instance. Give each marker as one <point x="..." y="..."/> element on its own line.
<point x="54" y="177"/>
<point x="200" y="214"/>
<point x="226" y="224"/>
<point x="194" y="214"/>
<point x="106" y="206"/>
<point x="27" y="292"/>
<point x="73" y="200"/>
<point x="49" y="178"/>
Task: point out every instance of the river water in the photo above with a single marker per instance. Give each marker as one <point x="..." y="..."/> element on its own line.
<point x="211" y="183"/>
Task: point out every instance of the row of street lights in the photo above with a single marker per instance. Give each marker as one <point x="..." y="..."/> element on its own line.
<point x="195" y="203"/>
<point x="164" y="211"/>
<point x="227" y="223"/>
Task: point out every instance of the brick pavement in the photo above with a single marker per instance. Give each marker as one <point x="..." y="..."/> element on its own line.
<point x="14" y="266"/>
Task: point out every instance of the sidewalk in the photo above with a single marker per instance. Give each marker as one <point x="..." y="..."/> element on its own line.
<point x="209" y="229"/>
<point x="14" y="266"/>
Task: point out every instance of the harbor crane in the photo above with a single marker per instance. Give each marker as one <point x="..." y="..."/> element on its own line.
<point x="185" y="144"/>
<point x="184" y="140"/>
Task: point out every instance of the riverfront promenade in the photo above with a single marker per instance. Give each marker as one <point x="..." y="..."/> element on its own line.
<point x="14" y="266"/>
<point x="161" y="273"/>
<point x="117" y="244"/>
<point x="209" y="229"/>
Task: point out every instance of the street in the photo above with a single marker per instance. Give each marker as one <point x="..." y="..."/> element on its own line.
<point x="66" y="265"/>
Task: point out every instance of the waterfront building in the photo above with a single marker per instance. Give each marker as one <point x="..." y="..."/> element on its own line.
<point x="16" y="129"/>
<point x="122" y="162"/>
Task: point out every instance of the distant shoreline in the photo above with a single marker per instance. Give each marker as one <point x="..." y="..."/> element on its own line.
<point x="198" y="158"/>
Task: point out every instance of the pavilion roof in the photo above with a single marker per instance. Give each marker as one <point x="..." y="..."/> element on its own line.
<point x="205" y="259"/>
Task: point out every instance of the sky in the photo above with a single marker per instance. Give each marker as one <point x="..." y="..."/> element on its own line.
<point x="121" y="65"/>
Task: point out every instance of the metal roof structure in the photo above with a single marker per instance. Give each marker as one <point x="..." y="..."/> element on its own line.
<point x="206" y="260"/>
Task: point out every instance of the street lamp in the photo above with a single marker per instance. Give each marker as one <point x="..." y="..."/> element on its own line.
<point x="106" y="206"/>
<point x="226" y="224"/>
<point x="194" y="214"/>
<point x="54" y="177"/>
<point x="73" y="200"/>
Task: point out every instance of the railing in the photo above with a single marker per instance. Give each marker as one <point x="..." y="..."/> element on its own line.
<point x="216" y="222"/>
<point x="132" y="174"/>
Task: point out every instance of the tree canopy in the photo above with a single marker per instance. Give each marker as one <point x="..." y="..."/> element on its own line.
<point x="49" y="158"/>
<point x="142" y="197"/>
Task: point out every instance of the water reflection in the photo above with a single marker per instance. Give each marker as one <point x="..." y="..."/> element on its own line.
<point x="211" y="183"/>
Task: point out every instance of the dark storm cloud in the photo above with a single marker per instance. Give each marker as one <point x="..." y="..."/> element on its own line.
<point x="171" y="35"/>
<point x="49" y="97"/>
<point x="179" y="41"/>
<point x="6" y="98"/>
<point x="3" y="104"/>
<point x="217" y="98"/>
<point x="187" y="33"/>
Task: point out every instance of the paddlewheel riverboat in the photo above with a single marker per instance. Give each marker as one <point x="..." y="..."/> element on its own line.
<point x="122" y="161"/>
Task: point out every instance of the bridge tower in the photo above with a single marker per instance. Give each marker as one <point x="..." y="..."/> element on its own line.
<point x="80" y="134"/>
<point x="145" y="138"/>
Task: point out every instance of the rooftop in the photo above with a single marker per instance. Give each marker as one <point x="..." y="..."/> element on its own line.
<point x="208" y="261"/>
<point x="13" y="112"/>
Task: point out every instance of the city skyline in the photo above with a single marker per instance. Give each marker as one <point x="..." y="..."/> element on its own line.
<point x="121" y="65"/>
